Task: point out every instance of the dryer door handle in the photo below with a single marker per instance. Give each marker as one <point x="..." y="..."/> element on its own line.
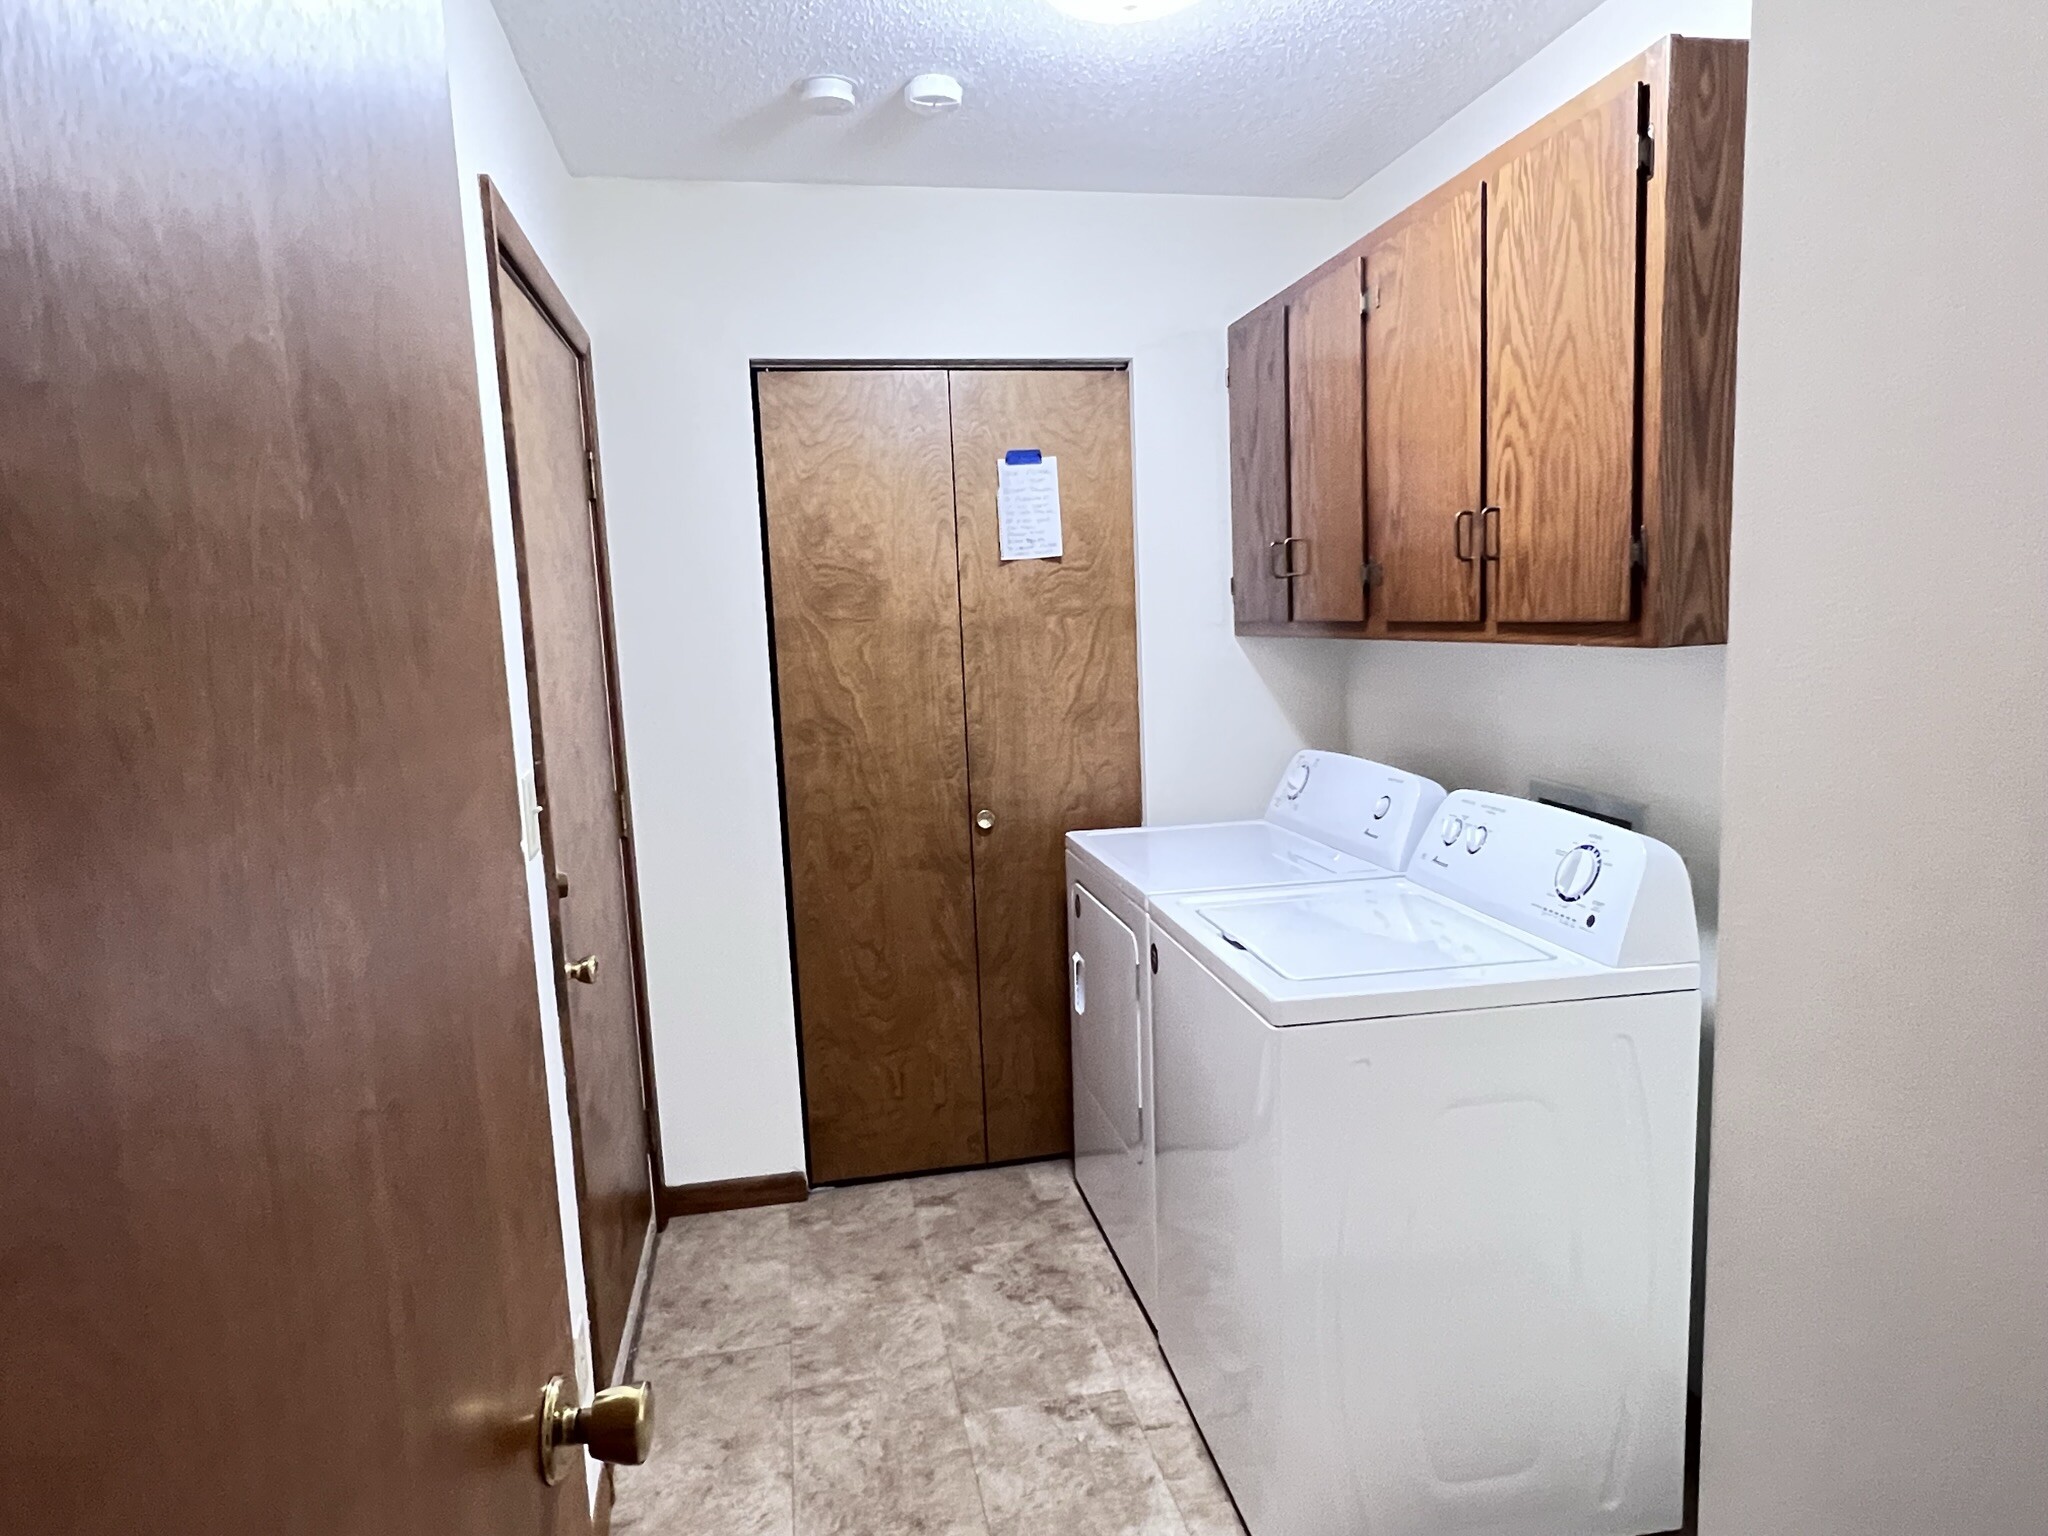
<point x="1080" y="970"/>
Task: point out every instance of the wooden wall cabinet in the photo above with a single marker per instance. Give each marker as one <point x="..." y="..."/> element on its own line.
<point x="1508" y="413"/>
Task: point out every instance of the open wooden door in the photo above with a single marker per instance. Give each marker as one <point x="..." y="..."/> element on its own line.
<point x="579" y="755"/>
<point x="279" y="1242"/>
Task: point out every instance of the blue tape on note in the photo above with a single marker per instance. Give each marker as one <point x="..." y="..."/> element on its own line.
<point x="1023" y="456"/>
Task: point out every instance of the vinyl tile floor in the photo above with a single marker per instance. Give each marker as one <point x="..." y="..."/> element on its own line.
<point x="956" y="1355"/>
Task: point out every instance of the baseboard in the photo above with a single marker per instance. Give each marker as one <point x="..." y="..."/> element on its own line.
<point x="732" y="1194"/>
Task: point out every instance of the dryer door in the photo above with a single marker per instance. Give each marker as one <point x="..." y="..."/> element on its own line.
<point x="1110" y="1161"/>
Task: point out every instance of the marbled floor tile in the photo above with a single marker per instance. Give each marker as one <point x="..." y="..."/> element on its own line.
<point x="865" y="1235"/>
<point x="1080" y="1468"/>
<point x="886" y="1455"/>
<point x="1020" y="1325"/>
<point x="1192" y="1478"/>
<point x="1097" y="1287"/>
<point x="723" y="1463"/>
<point x="957" y="1212"/>
<point x="721" y="1282"/>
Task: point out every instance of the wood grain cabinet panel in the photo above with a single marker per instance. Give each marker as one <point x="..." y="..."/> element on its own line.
<point x="1259" y="484"/>
<point x="1563" y="278"/>
<point x="1326" y="430"/>
<point x="1423" y="421"/>
<point x="1589" y="346"/>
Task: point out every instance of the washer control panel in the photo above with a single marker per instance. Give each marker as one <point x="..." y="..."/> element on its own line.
<point x="1364" y="808"/>
<point x="1550" y="872"/>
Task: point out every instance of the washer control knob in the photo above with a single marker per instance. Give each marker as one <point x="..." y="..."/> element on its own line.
<point x="1454" y="828"/>
<point x="1577" y="871"/>
<point x="1475" y="839"/>
<point x="1296" y="780"/>
<point x="1381" y="806"/>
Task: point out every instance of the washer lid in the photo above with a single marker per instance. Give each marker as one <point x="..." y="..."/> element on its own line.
<point x="1376" y="928"/>
<point x="1219" y="856"/>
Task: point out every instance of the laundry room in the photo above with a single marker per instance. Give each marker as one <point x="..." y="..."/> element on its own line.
<point x="1251" y="743"/>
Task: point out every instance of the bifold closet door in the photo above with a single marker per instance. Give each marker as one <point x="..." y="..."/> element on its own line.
<point x="1051" y="657"/>
<point x="857" y="476"/>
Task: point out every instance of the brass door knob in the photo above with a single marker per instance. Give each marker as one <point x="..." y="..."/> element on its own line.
<point x="986" y="821"/>
<point x="584" y="970"/>
<point x="616" y="1426"/>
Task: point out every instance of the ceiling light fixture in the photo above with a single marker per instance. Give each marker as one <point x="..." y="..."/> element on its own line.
<point x="1117" y="12"/>
<point x="933" y="94"/>
<point x="827" y="95"/>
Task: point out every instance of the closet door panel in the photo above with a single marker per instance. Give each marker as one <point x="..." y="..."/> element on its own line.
<point x="858" y="484"/>
<point x="1423" y="416"/>
<point x="1050" y="651"/>
<point x="1563" y="281"/>
<point x="1326" y="404"/>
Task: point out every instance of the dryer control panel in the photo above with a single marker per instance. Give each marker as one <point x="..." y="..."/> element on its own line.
<point x="1601" y="891"/>
<point x="1378" y="813"/>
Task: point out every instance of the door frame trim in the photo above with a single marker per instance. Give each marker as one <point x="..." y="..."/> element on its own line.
<point x="507" y="246"/>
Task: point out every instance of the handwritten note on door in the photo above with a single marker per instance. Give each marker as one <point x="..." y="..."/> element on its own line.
<point x="1028" y="506"/>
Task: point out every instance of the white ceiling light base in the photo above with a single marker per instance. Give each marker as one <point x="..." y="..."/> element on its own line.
<point x="1117" y="12"/>
<point x="827" y="95"/>
<point x="933" y="94"/>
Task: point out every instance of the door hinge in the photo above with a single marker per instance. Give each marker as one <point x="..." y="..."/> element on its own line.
<point x="1638" y="552"/>
<point x="1373" y="573"/>
<point x="590" y="474"/>
<point x="1368" y="300"/>
<point x="1233" y="588"/>
<point x="1226" y="378"/>
<point x="1646" y="153"/>
<point x="625" y="817"/>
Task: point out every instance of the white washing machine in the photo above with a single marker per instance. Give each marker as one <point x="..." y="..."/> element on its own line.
<point x="1425" y="1183"/>
<point x="1332" y="817"/>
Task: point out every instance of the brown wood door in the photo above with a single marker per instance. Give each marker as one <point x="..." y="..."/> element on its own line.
<point x="857" y="480"/>
<point x="1050" y="648"/>
<point x="281" y="1243"/>
<point x="1423" y="413"/>
<point x="1563" y="275"/>
<point x="1259" y="464"/>
<point x="578" y="763"/>
<point x="1326" y="403"/>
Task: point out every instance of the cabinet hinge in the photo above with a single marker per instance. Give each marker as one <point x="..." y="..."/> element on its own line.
<point x="1226" y="378"/>
<point x="1638" y="554"/>
<point x="625" y="817"/>
<point x="1233" y="586"/>
<point x="1646" y="153"/>
<point x="1368" y="300"/>
<point x="1373" y="573"/>
<point x="590" y="474"/>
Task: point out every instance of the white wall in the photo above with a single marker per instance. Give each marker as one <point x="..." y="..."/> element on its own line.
<point x="1877" y="1296"/>
<point x="683" y="284"/>
<point x="499" y="132"/>
<point x="1645" y="726"/>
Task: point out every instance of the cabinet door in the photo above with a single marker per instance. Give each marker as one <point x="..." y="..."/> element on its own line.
<point x="1423" y="394"/>
<point x="1562" y="278"/>
<point x="1326" y="408"/>
<point x="1258" y="464"/>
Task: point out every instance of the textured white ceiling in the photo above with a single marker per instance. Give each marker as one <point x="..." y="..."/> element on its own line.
<point x="1299" y="98"/>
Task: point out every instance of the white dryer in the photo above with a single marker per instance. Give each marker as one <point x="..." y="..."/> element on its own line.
<point x="1332" y="817"/>
<point x="1425" y="1183"/>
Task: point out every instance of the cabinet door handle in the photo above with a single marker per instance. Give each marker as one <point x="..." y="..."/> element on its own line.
<point x="1464" y="535"/>
<point x="1489" y="523"/>
<point x="1282" y="552"/>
